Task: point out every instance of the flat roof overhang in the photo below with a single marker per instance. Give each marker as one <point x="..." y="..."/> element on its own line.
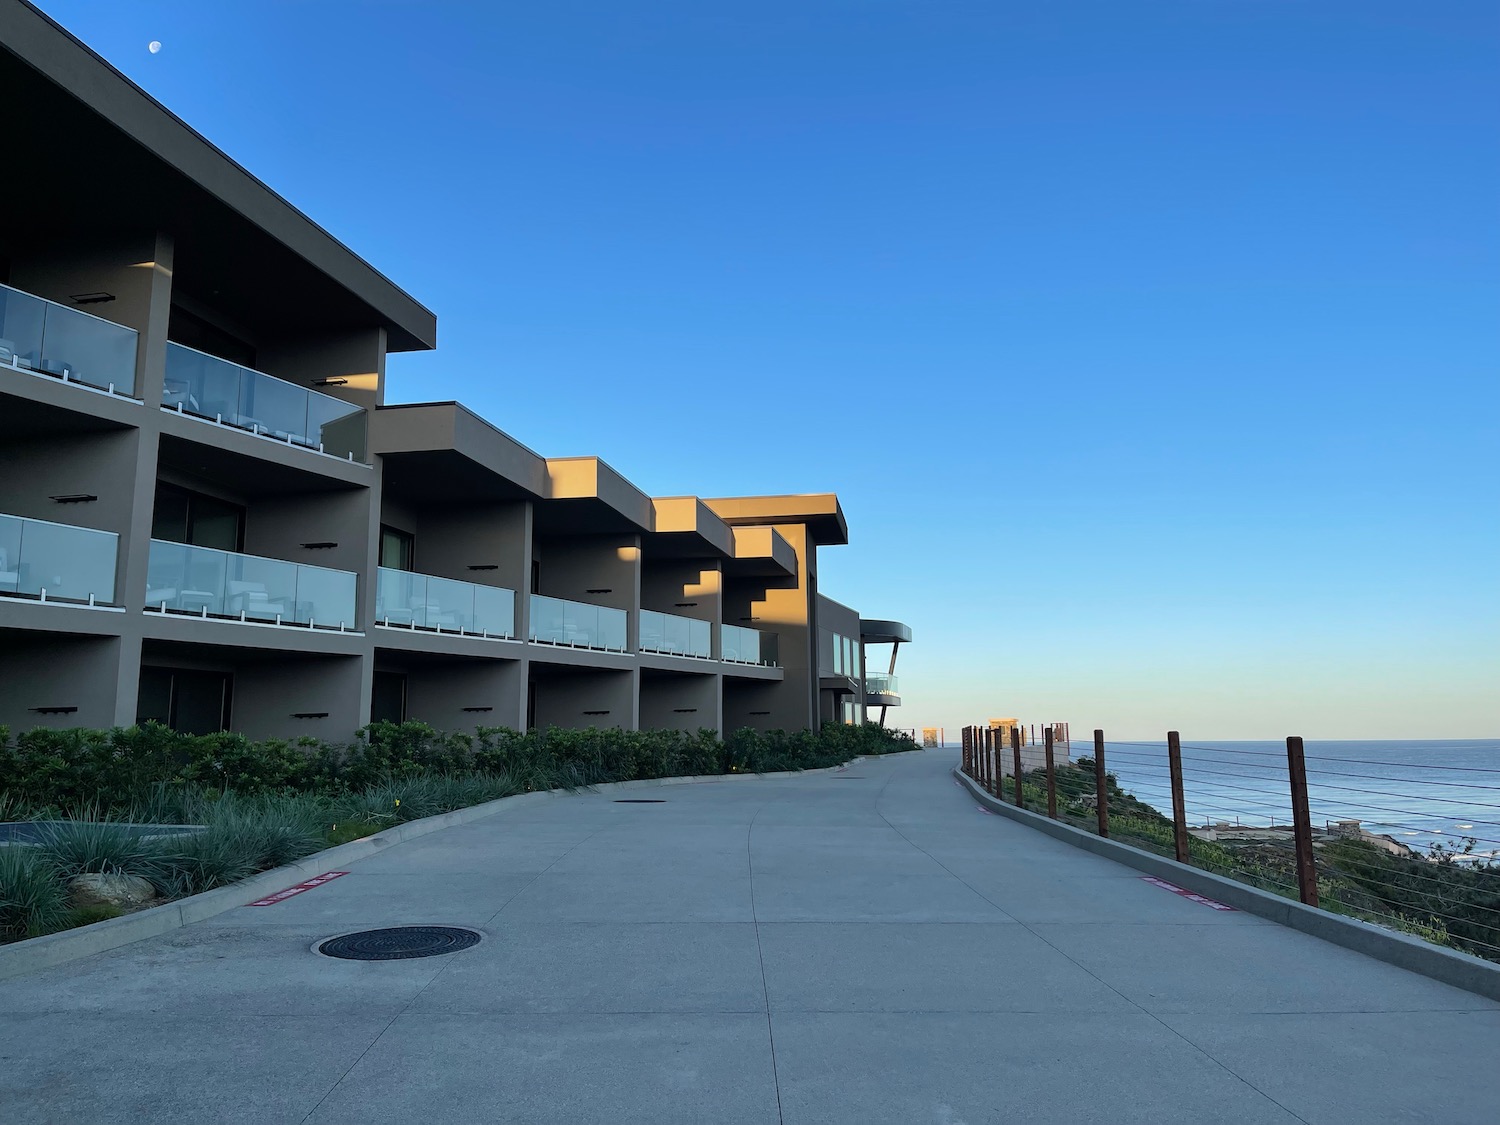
<point x="819" y="512"/>
<point x="442" y="452"/>
<point x="876" y="632"/>
<point x="839" y="685"/>
<point x="761" y="552"/>
<point x="93" y="154"/>
<point x="585" y="496"/>
<point x="684" y="528"/>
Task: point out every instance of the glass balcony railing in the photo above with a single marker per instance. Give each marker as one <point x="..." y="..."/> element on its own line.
<point x="674" y="635"/>
<point x="739" y="645"/>
<point x="56" y="561"/>
<point x="444" y="605"/>
<point x="205" y="582"/>
<point x="577" y="624"/>
<point x="209" y="387"/>
<point x="43" y="336"/>
<point x="881" y="683"/>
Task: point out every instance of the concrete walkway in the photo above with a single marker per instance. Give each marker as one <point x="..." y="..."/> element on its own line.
<point x="857" y="947"/>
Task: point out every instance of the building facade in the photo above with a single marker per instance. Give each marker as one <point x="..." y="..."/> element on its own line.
<point x="210" y="517"/>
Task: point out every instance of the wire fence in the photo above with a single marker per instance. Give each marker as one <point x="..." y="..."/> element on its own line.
<point x="1394" y="839"/>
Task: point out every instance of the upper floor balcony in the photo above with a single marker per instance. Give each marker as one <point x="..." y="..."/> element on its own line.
<point x="556" y="621"/>
<point x="214" y="389"/>
<point x="56" y="562"/>
<point x="881" y="683"/>
<point x="207" y="582"/>
<point x="46" y="338"/>
<point x="674" y="635"/>
<point x="739" y="645"/>
<point x="409" y="600"/>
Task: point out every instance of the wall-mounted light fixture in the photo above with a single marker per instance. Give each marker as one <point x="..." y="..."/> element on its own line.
<point x="596" y="712"/>
<point x="685" y="605"/>
<point x="484" y="566"/>
<point x="100" y="298"/>
<point x="319" y="546"/>
<point x="600" y="590"/>
<point x="309" y="714"/>
<point x="74" y="498"/>
<point x="478" y="708"/>
<point x="330" y="382"/>
<point x="53" y="710"/>
<point x="760" y="712"/>
<point x="684" y="710"/>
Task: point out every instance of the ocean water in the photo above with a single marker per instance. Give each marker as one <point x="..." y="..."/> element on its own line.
<point x="1418" y="792"/>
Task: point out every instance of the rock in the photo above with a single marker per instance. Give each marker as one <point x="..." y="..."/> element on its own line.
<point x="111" y="890"/>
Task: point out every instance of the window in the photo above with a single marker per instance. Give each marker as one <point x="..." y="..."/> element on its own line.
<point x="388" y="697"/>
<point x="185" y="516"/>
<point x="397" y="548"/>
<point x="187" y="700"/>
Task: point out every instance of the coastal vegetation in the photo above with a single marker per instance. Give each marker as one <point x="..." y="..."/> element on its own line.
<point x="1440" y="894"/>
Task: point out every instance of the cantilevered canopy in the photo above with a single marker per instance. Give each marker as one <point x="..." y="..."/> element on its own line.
<point x="89" y="154"/>
<point x="443" y="453"/>
<point x="683" y="527"/>
<point x="819" y="512"/>
<point x="585" y="495"/>
<point x="876" y="632"/>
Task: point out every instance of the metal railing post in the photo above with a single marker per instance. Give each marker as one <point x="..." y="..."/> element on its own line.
<point x="1101" y="785"/>
<point x="1307" y="868"/>
<point x="1179" y="805"/>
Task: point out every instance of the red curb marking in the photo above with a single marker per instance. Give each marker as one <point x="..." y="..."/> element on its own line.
<point x="315" y="881"/>
<point x="1189" y="895"/>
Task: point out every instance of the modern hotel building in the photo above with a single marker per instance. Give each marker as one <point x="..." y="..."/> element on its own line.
<point x="210" y="517"/>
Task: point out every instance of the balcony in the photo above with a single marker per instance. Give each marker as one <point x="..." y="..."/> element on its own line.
<point x="555" y="621"/>
<point x="739" y="645"/>
<point x="881" y="683"/>
<point x="205" y="582"/>
<point x="56" y="562"/>
<point x="214" y="389"/>
<point x="672" y="635"/>
<point x="404" y="599"/>
<point x="46" y="338"/>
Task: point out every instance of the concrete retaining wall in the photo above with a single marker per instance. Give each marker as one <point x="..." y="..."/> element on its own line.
<point x="1403" y="950"/>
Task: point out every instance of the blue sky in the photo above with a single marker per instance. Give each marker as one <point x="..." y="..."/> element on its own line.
<point x="1151" y="347"/>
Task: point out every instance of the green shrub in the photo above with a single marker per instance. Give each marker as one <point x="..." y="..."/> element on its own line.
<point x="89" y="845"/>
<point x="33" y="898"/>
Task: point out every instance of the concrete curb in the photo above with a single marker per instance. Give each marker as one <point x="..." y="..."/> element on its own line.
<point x="1461" y="970"/>
<point x="55" y="949"/>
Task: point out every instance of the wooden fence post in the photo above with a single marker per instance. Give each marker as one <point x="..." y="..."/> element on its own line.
<point x="1015" y="750"/>
<point x="1051" y="775"/>
<point x="1179" y="805"/>
<point x="1307" y="868"/>
<point x="1101" y="785"/>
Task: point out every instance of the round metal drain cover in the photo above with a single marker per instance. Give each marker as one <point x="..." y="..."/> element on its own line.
<point x="399" y="943"/>
<point x="640" y="801"/>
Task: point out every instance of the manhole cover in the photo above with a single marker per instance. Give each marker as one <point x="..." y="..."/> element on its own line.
<point x="640" y="801"/>
<point x="399" y="943"/>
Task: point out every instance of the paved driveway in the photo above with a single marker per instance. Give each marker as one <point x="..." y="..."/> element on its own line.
<point x="858" y="947"/>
